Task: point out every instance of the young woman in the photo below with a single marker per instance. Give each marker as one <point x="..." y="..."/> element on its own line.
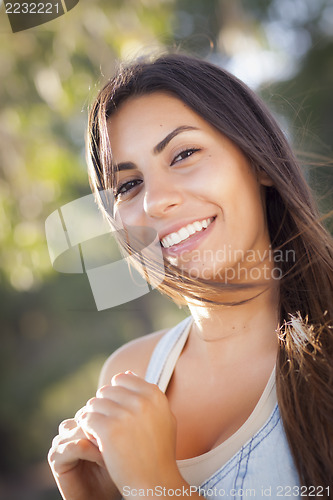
<point x="237" y="400"/>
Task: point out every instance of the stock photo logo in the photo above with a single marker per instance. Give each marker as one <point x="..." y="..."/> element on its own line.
<point x="80" y="240"/>
<point x="25" y="14"/>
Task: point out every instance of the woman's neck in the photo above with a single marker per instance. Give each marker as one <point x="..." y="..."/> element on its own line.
<point x="246" y="328"/>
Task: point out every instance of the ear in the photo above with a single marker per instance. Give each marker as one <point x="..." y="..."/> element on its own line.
<point x="264" y="178"/>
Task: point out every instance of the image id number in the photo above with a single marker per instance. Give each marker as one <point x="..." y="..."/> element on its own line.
<point x="31" y="8"/>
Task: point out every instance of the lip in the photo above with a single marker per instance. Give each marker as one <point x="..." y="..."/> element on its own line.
<point x="191" y="242"/>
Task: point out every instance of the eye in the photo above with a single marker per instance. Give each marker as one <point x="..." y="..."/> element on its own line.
<point x="186" y="153"/>
<point x="126" y="187"/>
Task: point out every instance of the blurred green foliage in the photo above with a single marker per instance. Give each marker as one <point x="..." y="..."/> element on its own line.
<point x="53" y="340"/>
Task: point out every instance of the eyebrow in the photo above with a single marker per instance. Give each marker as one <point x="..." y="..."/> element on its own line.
<point x="163" y="144"/>
<point x="128" y="165"/>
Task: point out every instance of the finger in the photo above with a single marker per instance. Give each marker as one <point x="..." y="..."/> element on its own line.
<point x="69" y="435"/>
<point x="133" y="382"/>
<point x="78" y="420"/>
<point x="66" y="456"/>
<point x="94" y="425"/>
<point x="79" y="412"/>
<point x="104" y="406"/>
<point x="122" y="378"/>
<point x="67" y="425"/>
<point x="125" y="400"/>
<point x="116" y="393"/>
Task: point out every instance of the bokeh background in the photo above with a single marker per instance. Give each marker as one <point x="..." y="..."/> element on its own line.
<point x="53" y="340"/>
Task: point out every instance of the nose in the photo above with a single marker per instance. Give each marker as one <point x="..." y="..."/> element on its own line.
<point x="162" y="195"/>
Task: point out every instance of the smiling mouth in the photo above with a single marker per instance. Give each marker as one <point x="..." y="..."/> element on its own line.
<point x="186" y="232"/>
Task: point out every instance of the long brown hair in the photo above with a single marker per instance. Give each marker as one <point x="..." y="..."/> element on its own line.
<point x="304" y="372"/>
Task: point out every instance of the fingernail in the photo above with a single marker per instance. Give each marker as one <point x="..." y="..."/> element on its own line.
<point x="114" y="378"/>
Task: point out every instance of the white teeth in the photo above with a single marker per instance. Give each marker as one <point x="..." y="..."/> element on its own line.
<point x="185" y="232"/>
<point x="175" y="238"/>
<point x="168" y="241"/>
<point x="191" y="229"/>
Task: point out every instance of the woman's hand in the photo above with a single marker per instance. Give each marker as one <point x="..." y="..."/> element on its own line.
<point x="135" y="431"/>
<point x="78" y="466"/>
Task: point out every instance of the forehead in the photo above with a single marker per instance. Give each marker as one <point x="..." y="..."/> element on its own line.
<point x="149" y="118"/>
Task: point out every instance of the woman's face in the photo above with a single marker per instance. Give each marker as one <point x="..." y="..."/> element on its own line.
<point x="180" y="176"/>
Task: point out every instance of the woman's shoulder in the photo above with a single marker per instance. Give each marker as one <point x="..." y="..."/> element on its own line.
<point x="134" y="356"/>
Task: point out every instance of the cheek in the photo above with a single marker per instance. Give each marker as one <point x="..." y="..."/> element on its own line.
<point x="207" y="182"/>
<point x="120" y="221"/>
<point x="128" y="214"/>
<point x="245" y="216"/>
<point x="237" y="193"/>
